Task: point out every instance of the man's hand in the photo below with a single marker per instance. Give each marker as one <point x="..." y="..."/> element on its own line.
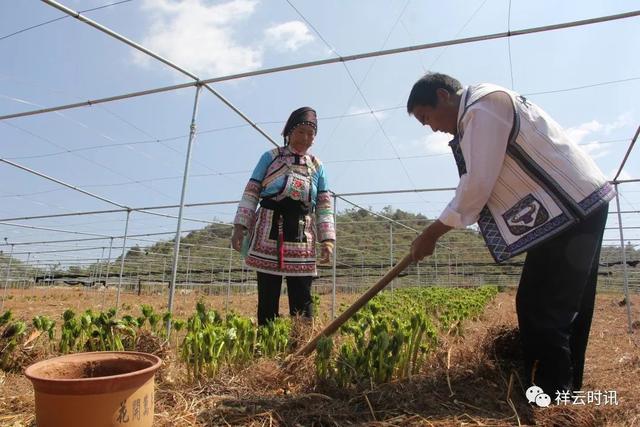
<point x="425" y="243"/>
<point x="238" y="235"/>
<point x="423" y="246"/>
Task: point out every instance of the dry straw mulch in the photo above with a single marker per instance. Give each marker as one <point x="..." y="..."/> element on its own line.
<point x="472" y="380"/>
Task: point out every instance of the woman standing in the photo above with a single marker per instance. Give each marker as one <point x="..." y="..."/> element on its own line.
<point x="295" y="210"/>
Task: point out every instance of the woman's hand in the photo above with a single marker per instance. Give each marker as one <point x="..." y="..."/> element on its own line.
<point x="326" y="252"/>
<point x="239" y="232"/>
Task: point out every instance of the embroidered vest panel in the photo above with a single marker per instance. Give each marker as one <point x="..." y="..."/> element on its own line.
<point x="546" y="183"/>
<point x="290" y="175"/>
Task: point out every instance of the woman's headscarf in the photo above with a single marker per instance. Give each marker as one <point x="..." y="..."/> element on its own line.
<point x="301" y="116"/>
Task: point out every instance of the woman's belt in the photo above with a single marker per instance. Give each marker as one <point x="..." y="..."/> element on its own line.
<point x="285" y="206"/>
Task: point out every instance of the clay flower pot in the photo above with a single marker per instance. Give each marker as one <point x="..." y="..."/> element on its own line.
<point x="107" y="388"/>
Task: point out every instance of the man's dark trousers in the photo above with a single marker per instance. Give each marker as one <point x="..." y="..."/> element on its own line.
<point x="555" y="303"/>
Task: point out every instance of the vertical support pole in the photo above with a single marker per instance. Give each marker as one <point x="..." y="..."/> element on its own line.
<point x="50" y="279"/>
<point x="211" y="280"/>
<point x="91" y="270"/>
<point x="187" y="280"/>
<point x="391" y="250"/>
<point x="122" y="256"/>
<point x="27" y="268"/>
<point x="100" y="262"/>
<point x="624" y="262"/>
<point x="226" y="300"/>
<point x="185" y="179"/>
<point x="435" y="265"/>
<point x="335" y="257"/>
<point x="6" y="279"/>
<point x="96" y="268"/>
<point x="164" y="268"/>
<point x="242" y="278"/>
<point x="361" y="269"/>
<point x="106" y="278"/>
<point x="94" y="278"/>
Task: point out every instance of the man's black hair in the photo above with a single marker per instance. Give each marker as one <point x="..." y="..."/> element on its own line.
<point x="424" y="90"/>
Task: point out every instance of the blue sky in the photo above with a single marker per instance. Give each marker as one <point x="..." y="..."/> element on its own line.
<point x="133" y="151"/>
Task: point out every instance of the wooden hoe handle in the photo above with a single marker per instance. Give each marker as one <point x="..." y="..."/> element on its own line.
<point x="346" y="315"/>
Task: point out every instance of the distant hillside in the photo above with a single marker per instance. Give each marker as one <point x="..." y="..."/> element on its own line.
<point x="367" y="245"/>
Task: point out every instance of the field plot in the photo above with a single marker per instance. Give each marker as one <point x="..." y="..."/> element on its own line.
<point x="417" y="356"/>
<point x="54" y="301"/>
